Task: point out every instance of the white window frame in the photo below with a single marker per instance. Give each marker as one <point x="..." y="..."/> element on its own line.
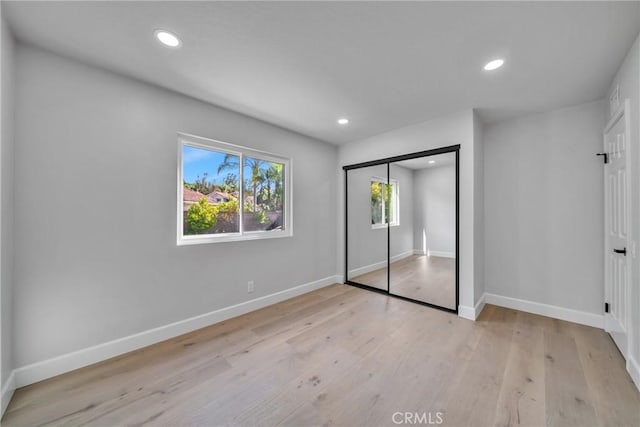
<point x="396" y="196"/>
<point x="241" y="152"/>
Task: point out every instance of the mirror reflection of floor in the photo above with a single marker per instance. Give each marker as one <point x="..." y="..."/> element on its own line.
<point x="430" y="279"/>
<point x="376" y="278"/>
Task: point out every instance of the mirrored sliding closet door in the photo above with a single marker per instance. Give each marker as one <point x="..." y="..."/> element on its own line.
<point x="402" y="226"/>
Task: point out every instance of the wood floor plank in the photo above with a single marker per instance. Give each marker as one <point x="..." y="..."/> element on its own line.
<point x="319" y="310"/>
<point x="223" y="336"/>
<point x="344" y="356"/>
<point x="346" y="402"/>
<point x="474" y="400"/>
<point x="611" y="388"/>
<point x="522" y="395"/>
<point x="360" y="327"/>
<point x="568" y="402"/>
<point x="153" y="395"/>
<point x="332" y="363"/>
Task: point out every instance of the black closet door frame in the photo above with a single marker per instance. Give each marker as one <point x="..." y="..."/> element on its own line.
<point x="442" y="150"/>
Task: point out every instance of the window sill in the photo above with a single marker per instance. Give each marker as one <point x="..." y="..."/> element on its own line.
<point x="232" y="237"/>
<point x="383" y="226"/>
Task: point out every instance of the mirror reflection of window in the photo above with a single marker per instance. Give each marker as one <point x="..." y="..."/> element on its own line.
<point x="384" y="202"/>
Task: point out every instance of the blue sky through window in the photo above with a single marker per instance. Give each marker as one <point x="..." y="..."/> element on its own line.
<point x="197" y="161"/>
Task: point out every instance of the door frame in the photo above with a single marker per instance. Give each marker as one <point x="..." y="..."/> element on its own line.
<point x="621" y="113"/>
<point x="388" y="160"/>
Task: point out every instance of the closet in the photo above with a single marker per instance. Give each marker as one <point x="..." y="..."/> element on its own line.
<point x="402" y="226"/>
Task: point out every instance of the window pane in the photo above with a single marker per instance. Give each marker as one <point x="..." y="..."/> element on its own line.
<point x="376" y="203"/>
<point x="389" y="203"/>
<point x="263" y="195"/>
<point x="211" y="189"/>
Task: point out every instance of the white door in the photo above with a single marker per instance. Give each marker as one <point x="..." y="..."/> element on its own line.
<point x="617" y="223"/>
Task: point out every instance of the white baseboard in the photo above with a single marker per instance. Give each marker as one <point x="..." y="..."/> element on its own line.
<point x="568" y="314"/>
<point x="378" y="265"/>
<point x="367" y="268"/>
<point x="401" y="256"/>
<point x="442" y="254"/>
<point x="68" y="362"/>
<point x="472" y="313"/>
<point x="634" y="370"/>
<point x="466" y="312"/>
<point x="429" y="252"/>
<point x="7" y="392"/>
<point x="480" y="306"/>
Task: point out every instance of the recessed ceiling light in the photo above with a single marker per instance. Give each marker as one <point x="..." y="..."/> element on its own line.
<point x="343" y="121"/>
<point x="167" y="38"/>
<point x="492" y="65"/>
<point x="431" y="162"/>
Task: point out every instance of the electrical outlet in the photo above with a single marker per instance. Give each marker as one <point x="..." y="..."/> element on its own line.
<point x="250" y="286"/>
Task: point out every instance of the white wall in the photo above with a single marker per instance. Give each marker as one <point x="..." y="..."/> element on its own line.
<point x="435" y="210"/>
<point x="628" y="79"/>
<point x="95" y="209"/>
<point x="6" y="211"/>
<point x="543" y="208"/>
<point x="450" y="130"/>
<point x="401" y="236"/>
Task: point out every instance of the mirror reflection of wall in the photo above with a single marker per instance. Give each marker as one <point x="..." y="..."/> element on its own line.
<point x="370" y="208"/>
<point x="427" y="273"/>
<point x="401" y="242"/>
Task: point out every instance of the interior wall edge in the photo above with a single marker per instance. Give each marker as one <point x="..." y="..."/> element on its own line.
<point x="7" y="88"/>
<point x="7" y="392"/>
<point x="49" y="368"/>
<point x="472" y="313"/>
<point x="633" y="367"/>
<point x="479" y="287"/>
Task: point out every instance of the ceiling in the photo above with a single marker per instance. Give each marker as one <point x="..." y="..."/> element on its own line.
<point x="384" y="65"/>
<point x="446" y="159"/>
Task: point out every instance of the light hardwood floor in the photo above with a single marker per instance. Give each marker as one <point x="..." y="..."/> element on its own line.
<point x="430" y="279"/>
<point x="350" y="357"/>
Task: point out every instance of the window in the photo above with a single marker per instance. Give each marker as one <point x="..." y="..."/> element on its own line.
<point x="227" y="192"/>
<point x="384" y="203"/>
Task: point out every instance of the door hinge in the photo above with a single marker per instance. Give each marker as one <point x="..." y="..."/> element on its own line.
<point x="605" y="155"/>
<point x="606" y="307"/>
